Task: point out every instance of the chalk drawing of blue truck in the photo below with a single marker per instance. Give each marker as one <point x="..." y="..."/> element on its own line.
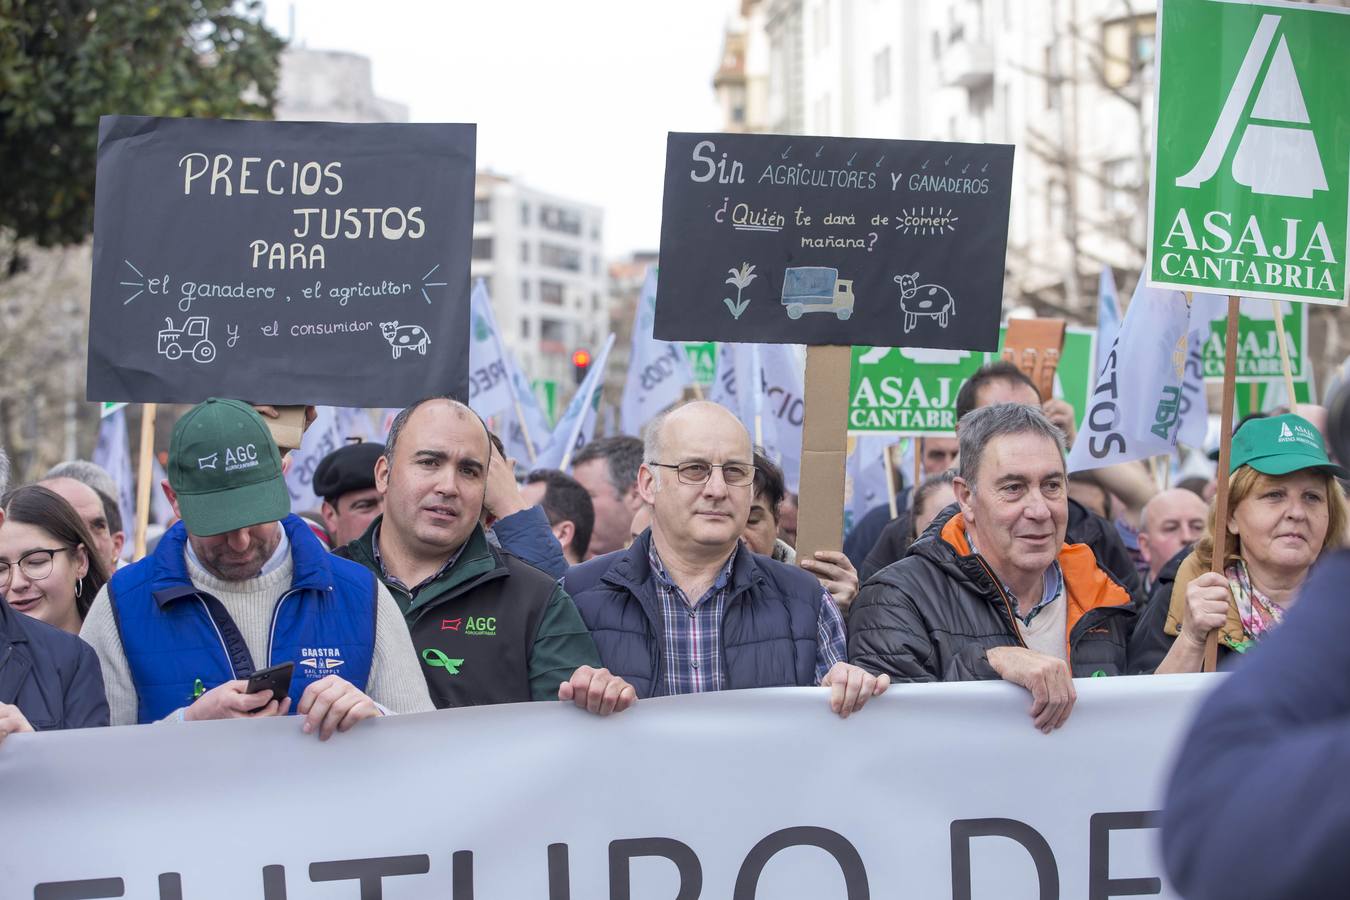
<point x="817" y="289"/>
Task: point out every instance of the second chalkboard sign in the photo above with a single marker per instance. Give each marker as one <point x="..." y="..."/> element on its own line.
<point x="812" y="240"/>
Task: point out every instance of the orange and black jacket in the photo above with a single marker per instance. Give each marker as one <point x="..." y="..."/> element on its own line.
<point x="934" y="615"/>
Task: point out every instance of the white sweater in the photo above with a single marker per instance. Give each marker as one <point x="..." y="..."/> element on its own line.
<point x="395" y="683"/>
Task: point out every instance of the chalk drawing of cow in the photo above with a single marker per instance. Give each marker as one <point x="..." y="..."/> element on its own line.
<point x="932" y="300"/>
<point x="405" y="337"/>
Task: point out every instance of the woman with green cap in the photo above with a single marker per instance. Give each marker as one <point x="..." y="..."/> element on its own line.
<point x="1285" y="508"/>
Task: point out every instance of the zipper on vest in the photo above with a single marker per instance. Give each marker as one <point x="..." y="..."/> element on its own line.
<point x="276" y="614"/>
<point x="1007" y="604"/>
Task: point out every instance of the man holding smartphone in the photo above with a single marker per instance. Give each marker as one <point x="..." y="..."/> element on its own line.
<point x="240" y="584"/>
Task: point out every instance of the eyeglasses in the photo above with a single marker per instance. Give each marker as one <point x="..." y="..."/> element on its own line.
<point x="734" y="474"/>
<point x="36" y="564"/>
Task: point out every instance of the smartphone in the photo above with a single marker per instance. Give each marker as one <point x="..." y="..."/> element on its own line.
<point x="277" y="679"/>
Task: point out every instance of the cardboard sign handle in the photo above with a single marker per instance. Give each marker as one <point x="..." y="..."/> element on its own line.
<point x="1225" y="453"/>
<point x="288" y="427"/>
<point x="1284" y="352"/>
<point x="144" y="474"/>
<point x="820" y="521"/>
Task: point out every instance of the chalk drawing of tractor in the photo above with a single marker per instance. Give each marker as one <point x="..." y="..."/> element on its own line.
<point x="817" y="289"/>
<point x="193" y="339"/>
<point x="932" y="300"/>
<point x="405" y="337"/>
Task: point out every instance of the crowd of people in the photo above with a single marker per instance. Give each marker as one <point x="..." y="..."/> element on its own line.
<point x="436" y="575"/>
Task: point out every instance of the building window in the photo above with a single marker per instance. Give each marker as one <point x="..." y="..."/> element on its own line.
<point x="524" y="289"/>
<point x="482" y="209"/>
<point x="557" y="257"/>
<point x="524" y="252"/>
<point x="553" y="330"/>
<point x="1120" y="182"/>
<point x="551" y="293"/>
<point x="595" y="266"/>
<point x="525" y="214"/>
<point x="556" y="218"/>
<point x="595" y="302"/>
<point x="525" y="328"/>
<point x="1127" y="49"/>
<point x="881" y="75"/>
<point x="1051" y="78"/>
<point x="482" y="248"/>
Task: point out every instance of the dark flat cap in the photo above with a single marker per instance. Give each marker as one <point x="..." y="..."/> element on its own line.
<point x="346" y="469"/>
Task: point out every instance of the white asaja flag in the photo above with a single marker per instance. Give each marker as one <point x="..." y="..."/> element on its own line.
<point x="762" y="385"/>
<point x="865" y="484"/>
<point x="658" y="371"/>
<point x="333" y="427"/>
<point x="489" y="377"/>
<point x="524" y="429"/>
<point x="113" y="453"/>
<point x="1108" y="316"/>
<point x="1205" y="308"/>
<point x="577" y="423"/>
<point x="782" y="379"/>
<point x="1135" y="408"/>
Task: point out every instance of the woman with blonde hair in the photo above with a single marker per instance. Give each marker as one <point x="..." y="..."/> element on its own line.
<point x="1285" y="508"/>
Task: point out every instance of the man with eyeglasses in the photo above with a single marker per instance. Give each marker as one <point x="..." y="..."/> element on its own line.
<point x="487" y="627"/>
<point x="686" y="609"/>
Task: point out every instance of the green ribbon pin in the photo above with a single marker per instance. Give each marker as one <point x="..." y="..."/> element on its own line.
<point x="438" y="660"/>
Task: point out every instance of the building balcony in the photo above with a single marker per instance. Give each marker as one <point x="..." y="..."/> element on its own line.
<point x="967" y="63"/>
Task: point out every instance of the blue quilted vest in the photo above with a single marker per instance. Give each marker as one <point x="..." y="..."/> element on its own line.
<point x="174" y="634"/>
<point x="769" y="636"/>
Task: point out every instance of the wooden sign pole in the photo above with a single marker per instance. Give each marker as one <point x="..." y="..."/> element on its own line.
<point x="1284" y="353"/>
<point x="1225" y="453"/>
<point x="918" y="467"/>
<point x="890" y="481"/>
<point x="524" y="429"/>
<point x="820" y="523"/>
<point x="144" y="474"/>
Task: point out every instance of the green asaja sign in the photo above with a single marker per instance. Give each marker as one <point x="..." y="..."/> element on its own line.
<point x="1251" y="177"/>
<point x="702" y="356"/>
<point x="909" y="390"/>
<point x="1258" y="349"/>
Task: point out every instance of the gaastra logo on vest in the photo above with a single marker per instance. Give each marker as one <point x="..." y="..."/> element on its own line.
<point x="317" y="662"/>
<point x="244" y="456"/>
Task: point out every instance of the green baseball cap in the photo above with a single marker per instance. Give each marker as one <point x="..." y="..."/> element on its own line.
<point x="1278" y="445"/>
<point x="226" y="469"/>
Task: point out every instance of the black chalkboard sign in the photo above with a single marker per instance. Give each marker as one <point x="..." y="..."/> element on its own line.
<point x="811" y="240"/>
<point x="280" y="262"/>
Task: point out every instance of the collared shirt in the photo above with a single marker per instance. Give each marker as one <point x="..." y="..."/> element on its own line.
<point x="393" y="580"/>
<point x="693" y="653"/>
<point x="1053" y="586"/>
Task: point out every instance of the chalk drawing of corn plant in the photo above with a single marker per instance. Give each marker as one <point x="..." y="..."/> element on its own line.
<point x="741" y="278"/>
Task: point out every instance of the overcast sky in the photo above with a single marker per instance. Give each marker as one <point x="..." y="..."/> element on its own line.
<point x="570" y="97"/>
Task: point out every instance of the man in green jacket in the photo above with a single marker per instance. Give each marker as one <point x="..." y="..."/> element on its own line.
<point x="488" y="627"/>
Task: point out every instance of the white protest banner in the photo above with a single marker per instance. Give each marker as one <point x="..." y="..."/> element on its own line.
<point x="1108" y="316"/>
<point x="1135" y="414"/>
<point x="658" y="371"/>
<point x="489" y="381"/>
<point x="733" y="795"/>
<point x="522" y="419"/>
<point x="866" y="485"/>
<point x="577" y="423"/>
<point x="331" y="429"/>
<point x="772" y="404"/>
<point x="114" y="455"/>
<point x="1205" y="308"/>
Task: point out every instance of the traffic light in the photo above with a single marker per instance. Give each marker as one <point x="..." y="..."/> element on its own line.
<point x="581" y="364"/>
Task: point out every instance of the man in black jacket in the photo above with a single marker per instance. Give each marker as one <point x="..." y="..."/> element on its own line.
<point x="991" y="590"/>
<point x="1003" y="382"/>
